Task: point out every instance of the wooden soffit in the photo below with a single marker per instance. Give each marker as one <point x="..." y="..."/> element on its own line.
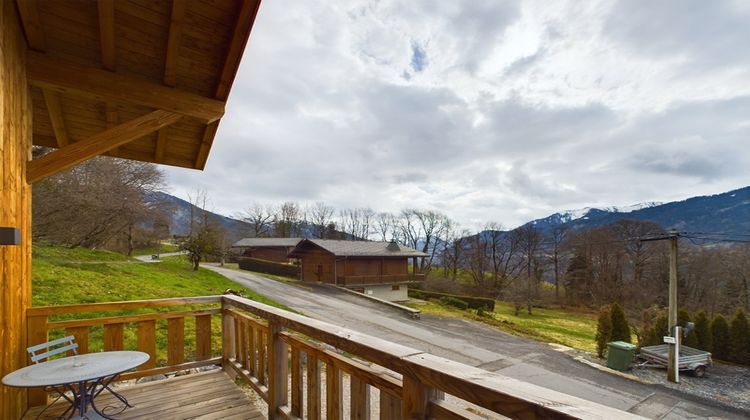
<point x="137" y="79"/>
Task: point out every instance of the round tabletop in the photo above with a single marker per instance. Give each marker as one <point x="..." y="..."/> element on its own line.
<point x="72" y="369"/>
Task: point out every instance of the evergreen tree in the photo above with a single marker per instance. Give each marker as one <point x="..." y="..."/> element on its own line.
<point x="661" y="328"/>
<point x="683" y="317"/>
<point x="739" y="342"/>
<point x="652" y="320"/>
<point x="720" y="338"/>
<point x="603" y="330"/>
<point x="620" y="327"/>
<point x="702" y="331"/>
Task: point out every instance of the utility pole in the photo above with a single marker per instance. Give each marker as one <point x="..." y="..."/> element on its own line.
<point x="672" y="371"/>
<point x="673" y="341"/>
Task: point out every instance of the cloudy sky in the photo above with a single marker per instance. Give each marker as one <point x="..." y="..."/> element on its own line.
<point x="485" y="110"/>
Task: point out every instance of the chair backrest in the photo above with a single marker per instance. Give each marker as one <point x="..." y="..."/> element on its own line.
<point x="65" y="344"/>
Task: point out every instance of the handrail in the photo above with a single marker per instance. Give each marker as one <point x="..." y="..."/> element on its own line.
<point x="116" y="306"/>
<point x="424" y="376"/>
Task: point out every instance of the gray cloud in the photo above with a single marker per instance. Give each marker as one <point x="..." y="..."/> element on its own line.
<point x="322" y="110"/>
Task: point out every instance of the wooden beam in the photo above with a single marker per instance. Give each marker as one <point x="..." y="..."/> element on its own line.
<point x="104" y="86"/>
<point x="32" y="26"/>
<point x="107" y="33"/>
<point x="52" y="99"/>
<point x="161" y="145"/>
<point x="173" y="42"/>
<point x="242" y="27"/>
<point x="76" y="153"/>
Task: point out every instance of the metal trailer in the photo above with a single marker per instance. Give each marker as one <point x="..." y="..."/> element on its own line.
<point x="692" y="360"/>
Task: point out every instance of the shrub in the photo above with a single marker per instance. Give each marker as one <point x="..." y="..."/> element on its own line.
<point x="652" y="320"/>
<point x="473" y="302"/>
<point x="702" y="331"/>
<point x="620" y="327"/>
<point x="739" y="339"/>
<point x="603" y="330"/>
<point x="683" y="317"/>
<point x="720" y="338"/>
<point x="455" y="302"/>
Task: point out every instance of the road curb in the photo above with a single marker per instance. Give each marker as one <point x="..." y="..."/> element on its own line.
<point x="609" y="370"/>
<point x="414" y="313"/>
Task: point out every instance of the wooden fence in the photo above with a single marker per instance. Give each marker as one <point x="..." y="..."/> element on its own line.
<point x="295" y="363"/>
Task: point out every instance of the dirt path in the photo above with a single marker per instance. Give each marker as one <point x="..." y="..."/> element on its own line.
<point x="480" y="345"/>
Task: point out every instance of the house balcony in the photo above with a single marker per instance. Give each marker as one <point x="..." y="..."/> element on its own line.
<point x="379" y="279"/>
<point x="300" y="367"/>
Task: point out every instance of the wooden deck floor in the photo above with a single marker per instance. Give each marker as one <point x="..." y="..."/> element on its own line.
<point x="207" y="395"/>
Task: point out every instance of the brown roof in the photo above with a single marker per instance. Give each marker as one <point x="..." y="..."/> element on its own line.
<point x="166" y="66"/>
<point x="359" y="248"/>
<point x="269" y="242"/>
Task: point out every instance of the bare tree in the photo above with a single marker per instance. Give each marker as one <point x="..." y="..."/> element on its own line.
<point x="529" y="240"/>
<point x="385" y="226"/>
<point x="357" y="223"/>
<point x="205" y="237"/>
<point x="287" y="220"/>
<point x="259" y="217"/>
<point x="557" y="239"/>
<point x="321" y="216"/>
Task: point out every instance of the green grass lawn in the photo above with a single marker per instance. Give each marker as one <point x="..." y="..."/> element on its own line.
<point x="568" y="327"/>
<point x="63" y="276"/>
<point x="151" y="250"/>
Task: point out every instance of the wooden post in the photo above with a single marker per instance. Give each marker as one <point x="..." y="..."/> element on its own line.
<point x="278" y="367"/>
<point x="37" y="334"/>
<point x="671" y="371"/>
<point x="416" y="398"/>
<point x="227" y="339"/>
<point x="296" y="383"/>
<point x="15" y="208"/>
<point x="313" y="387"/>
<point x="360" y="399"/>
<point x="334" y="392"/>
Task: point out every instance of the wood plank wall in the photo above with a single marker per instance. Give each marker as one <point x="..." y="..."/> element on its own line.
<point x="15" y="205"/>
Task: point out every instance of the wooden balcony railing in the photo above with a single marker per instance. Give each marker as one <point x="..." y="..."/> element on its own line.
<point x="291" y="360"/>
<point x="375" y="279"/>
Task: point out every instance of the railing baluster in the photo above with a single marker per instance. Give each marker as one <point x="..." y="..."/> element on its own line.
<point x="242" y="340"/>
<point x="202" y="337"/>
<point x="390" y="406"/>
<point x="261" y="346"/>
<point x="313" y="387"/>
<point x="147" y="342"/>
<point x="175" y="341"/>
<point x="296" y="383"/>
<point x="81" y="335"/>
<point x="360" y="399"/>
<point x="252" y="358"/>
<point x="113" y="337"/>
<point x="334" y="406"/>
<point x="228" y="342"/>
<point x="278" y="363"/>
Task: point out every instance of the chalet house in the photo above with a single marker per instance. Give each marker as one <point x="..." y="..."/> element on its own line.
<point x="269" y="249"/>
<point x="380" y="269"/>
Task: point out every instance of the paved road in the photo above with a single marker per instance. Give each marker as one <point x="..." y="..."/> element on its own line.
<point x="479" y="345"/>
<point x="148" y="259"/>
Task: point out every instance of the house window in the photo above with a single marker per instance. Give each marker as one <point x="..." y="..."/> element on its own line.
<point x="396" y="287"/>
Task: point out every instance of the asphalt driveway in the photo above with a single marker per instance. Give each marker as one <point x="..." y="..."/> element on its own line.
<point x="479" y="345"/>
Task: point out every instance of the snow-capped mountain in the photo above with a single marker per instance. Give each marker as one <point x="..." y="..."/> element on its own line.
<point x="725" y="212"/>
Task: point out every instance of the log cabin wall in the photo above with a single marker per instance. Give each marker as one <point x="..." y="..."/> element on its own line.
<point x="15" y="205"/>
<point x="310" y="262"/>
<point x="276" y="254"/>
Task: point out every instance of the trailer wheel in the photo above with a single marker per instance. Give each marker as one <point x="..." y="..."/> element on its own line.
<point x="699" y="371"/>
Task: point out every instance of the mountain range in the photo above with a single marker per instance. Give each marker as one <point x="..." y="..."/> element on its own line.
<point x="727" y="212"/>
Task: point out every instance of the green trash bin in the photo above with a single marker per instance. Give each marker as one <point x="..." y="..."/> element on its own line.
<point x="620" y="355"/>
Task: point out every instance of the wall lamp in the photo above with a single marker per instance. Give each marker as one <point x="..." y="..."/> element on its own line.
<point x="10" y="236"/>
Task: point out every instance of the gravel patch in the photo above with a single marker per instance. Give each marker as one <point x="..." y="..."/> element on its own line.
<point x="727" y="384"/>
<point x="723" y="383"/>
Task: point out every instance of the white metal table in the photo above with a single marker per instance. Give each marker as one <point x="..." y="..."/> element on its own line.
<point x="81" y="375"/>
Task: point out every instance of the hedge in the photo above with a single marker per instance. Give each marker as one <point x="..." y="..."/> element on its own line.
<point x="472" y="302"/>
<point x="268" y="267"/>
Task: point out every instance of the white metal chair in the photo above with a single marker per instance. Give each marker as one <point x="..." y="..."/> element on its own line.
<point x="62" y="345"/>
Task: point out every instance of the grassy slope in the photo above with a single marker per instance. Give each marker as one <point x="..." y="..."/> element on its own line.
<point x="571" y="328"/>
<point x="63" y="276"/>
